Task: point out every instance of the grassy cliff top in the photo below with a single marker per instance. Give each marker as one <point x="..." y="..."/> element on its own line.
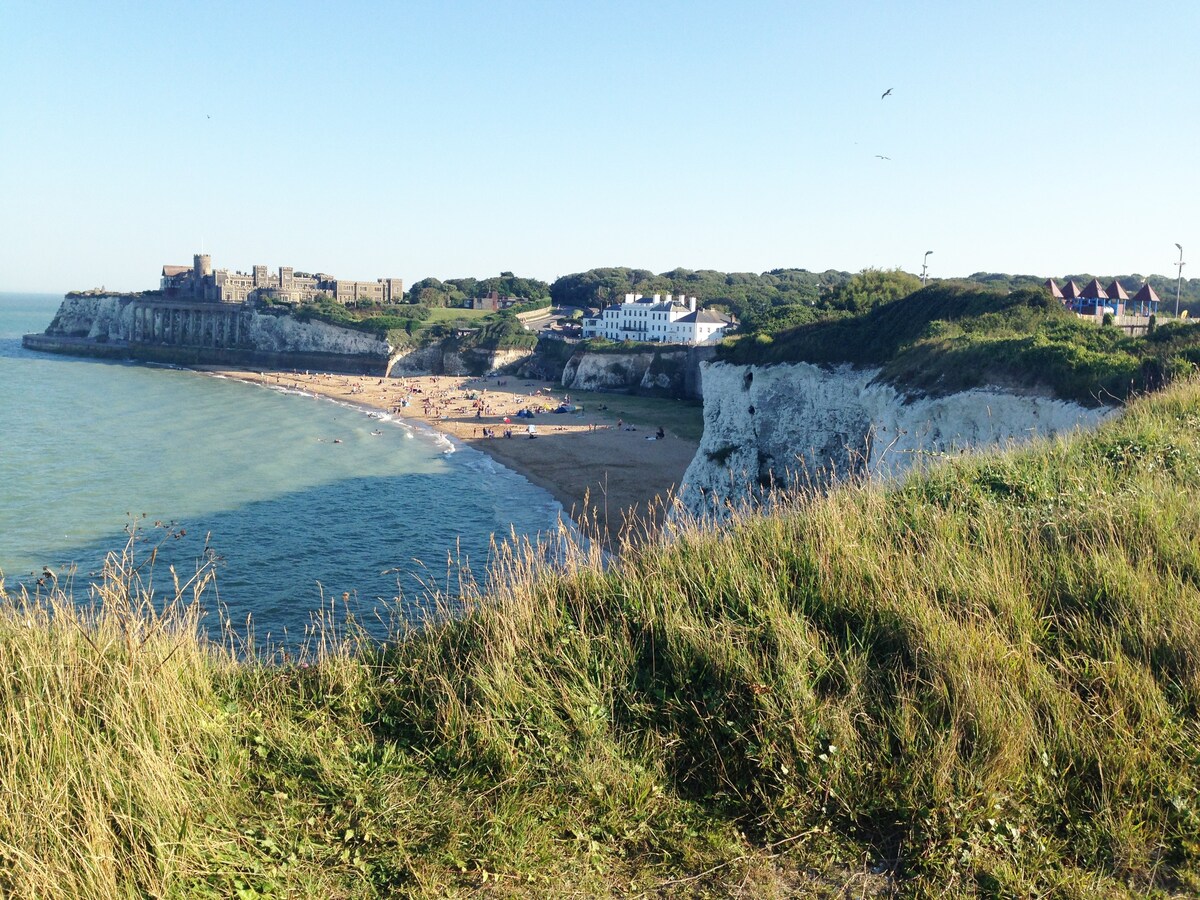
<point x="983" y="682"/>
<point x="949" y="337"/>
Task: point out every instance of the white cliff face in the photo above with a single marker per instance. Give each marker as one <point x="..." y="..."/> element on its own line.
<point x="110" y="318"/>
<point x="285" y="334"/>
<point x="605" y="371"/>
<point x="94" y="317"/>
<point x="503" y="358"/>
<point x="416" y="361"/>
<point x="657" y="371"/>
<point x="790" y="422"/>
<point x="436" y="360"/>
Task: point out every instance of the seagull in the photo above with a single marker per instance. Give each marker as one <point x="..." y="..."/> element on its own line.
<point x="877" y="156"/>
<point x="885" y="93"/>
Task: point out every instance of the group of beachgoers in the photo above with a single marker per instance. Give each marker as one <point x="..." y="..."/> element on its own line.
<point x="454" y="398"/>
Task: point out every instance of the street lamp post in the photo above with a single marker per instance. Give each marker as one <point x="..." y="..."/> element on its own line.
<point x="1178" y="279"/>
<point x="925" y="266"/>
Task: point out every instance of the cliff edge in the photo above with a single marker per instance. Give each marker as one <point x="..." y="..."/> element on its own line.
<point x="796" y="423"/>
<point x="153" y="329"/>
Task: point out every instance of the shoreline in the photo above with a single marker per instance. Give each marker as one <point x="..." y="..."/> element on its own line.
<point x="612" y="478"/>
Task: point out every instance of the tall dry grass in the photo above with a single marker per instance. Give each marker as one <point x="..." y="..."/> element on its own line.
<point x="981" y="682"/>
<point x="112" y="754"/>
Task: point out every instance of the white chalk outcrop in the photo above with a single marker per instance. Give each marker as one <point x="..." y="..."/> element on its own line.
<point x="795" y="421"/>
<point x="436" y="359"/>
<point x="97" y="317"/>
<point x="659" y="371"/>
<point x="606" y="371"/>
<point x="109" y="318"/>
<point x="287" y="334"/>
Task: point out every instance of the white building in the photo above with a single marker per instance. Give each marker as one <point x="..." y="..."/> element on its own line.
<point x="657" y="319"/>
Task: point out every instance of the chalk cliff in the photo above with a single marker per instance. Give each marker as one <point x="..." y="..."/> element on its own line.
<point x="795" y="421"/>
<point x="670" y="372"/>
<point x="147" y="327"/>
<point x="439" y="359"/>
<point x="104" y="318"/>
<point x="286" y="334"/>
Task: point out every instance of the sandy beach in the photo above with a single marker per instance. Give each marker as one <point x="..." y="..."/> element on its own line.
<point x="607" y="473"/>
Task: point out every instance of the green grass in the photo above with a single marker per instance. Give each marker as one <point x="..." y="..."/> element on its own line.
<point x="983" y="682"/>
<point x="950" y="337"/>
<point x="450" y="314"/>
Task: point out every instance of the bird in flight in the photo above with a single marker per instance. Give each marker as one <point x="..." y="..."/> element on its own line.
<point x="877" y="156"/>
<point x="885" y="93"/>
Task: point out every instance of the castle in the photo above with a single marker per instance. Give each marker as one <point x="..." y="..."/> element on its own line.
<point x="200" y="282"/>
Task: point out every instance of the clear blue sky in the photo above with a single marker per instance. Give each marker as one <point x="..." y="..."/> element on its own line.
<point x="465" y="138"/>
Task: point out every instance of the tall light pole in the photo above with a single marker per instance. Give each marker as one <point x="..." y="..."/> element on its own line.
<point x="925" y="266"/>
<point x="1178" y="279"/>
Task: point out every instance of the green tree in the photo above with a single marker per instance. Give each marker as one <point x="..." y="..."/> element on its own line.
<point x="871" y="288"/>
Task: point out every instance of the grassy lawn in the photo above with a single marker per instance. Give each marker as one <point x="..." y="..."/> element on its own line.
<point x="451" y="313"/>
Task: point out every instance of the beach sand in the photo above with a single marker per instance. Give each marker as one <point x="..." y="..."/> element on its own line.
<point x="610" y="477"/>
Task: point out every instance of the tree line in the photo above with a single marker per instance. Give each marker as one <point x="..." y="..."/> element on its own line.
<point x="457" y="291"/>
<point x="762" y="303"/>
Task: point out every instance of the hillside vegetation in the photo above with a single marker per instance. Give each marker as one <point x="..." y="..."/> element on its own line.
<point x="949" y="337"/>
<point x="406" y="324"/>
<point x="983" y="682"/>
<point x="762" y="302"/>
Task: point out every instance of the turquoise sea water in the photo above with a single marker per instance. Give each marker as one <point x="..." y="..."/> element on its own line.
<point x="87" y="447"/>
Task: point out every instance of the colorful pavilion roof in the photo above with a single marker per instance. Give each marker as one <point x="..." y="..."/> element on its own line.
<point x="1055" y="290"/>
<point x="1071" y="291"/>
<point x="1146" y="295"/>
<point x="1094" y="291"/>
<point x="1116" y="292"/>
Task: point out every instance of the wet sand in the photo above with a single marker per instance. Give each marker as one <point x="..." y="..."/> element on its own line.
<point x="607" y="474"/>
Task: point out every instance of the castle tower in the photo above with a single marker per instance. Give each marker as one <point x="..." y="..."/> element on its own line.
<point x="201" y="265"/>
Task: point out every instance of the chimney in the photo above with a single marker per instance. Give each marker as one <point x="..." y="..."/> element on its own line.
<point x="691" y="304"/>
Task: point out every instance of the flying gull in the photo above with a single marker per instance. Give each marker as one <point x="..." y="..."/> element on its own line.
<point x="885" y="93"/>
